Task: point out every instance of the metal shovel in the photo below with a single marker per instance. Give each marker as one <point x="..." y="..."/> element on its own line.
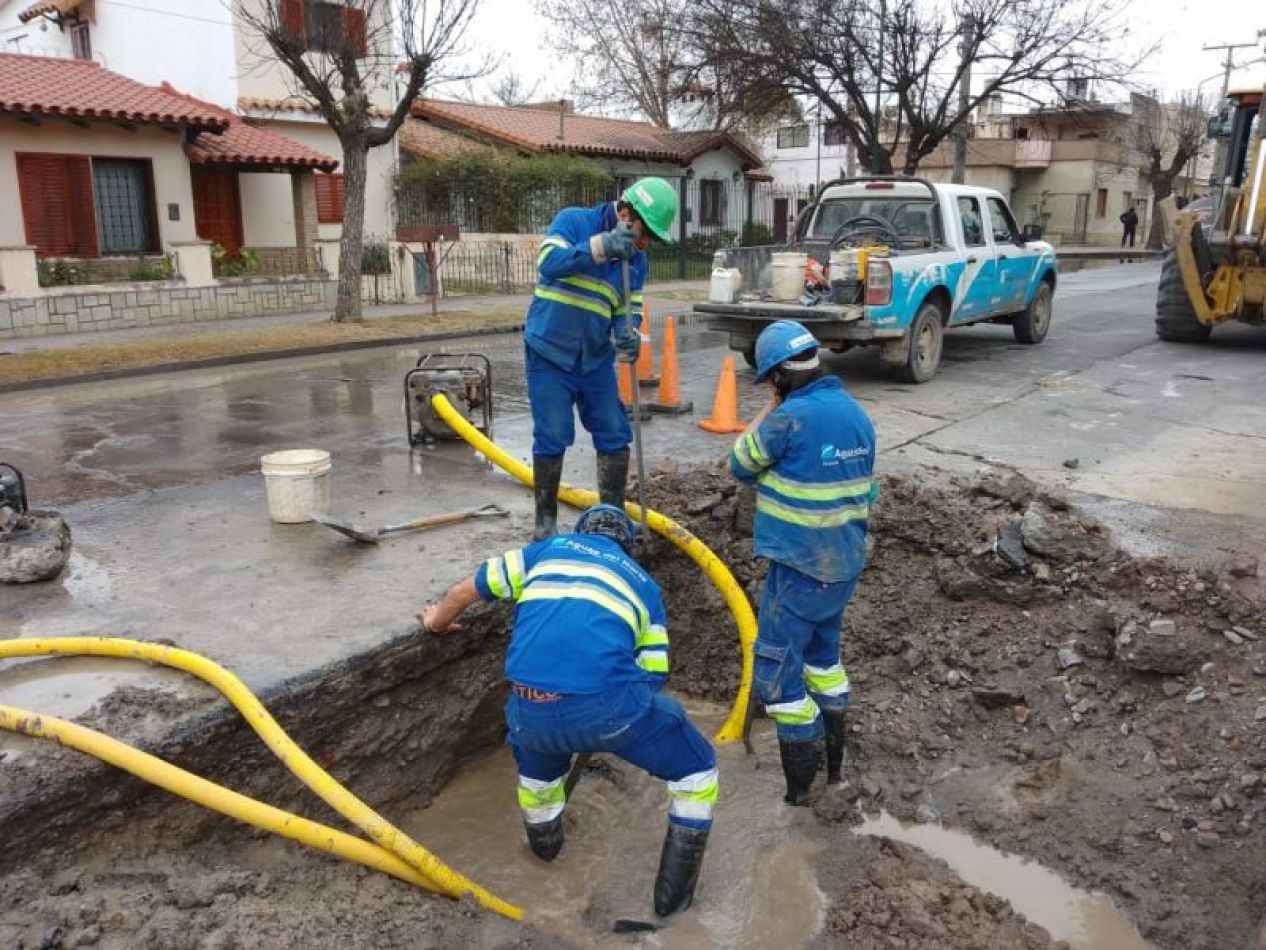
<point x="364" y="535"/>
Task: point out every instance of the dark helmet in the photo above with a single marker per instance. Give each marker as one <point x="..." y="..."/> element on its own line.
<point x="607" y="521"/>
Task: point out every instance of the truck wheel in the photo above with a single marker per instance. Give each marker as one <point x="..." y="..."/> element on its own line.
<point x="1176" y="320"/>
<point x="1030" y="326"/>
<point x="927" y="339"/>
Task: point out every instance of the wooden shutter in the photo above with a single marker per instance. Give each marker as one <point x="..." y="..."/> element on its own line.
<point x="291" y="16"/>
<point x="329" y="198"/>
<point x="57" y="204"/>
<point x="354" y="30"/>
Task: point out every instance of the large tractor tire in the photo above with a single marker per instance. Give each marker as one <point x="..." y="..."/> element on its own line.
<point x="1176" y="320"/>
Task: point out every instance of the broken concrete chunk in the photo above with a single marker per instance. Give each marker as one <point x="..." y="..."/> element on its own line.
<point x="36" y="547"/>
<point x="1196" y="695"/>
<point x="1011" y="545"/>
<point x="1067" y="658"/>
<point x="1161" y="650"/>
<point x="1063" y="536"/>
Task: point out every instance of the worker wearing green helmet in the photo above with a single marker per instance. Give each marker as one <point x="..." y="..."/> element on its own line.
<point x="576" y="324"/>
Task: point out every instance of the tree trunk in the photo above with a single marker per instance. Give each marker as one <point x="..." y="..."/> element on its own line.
<point x="877" y="159"/>
<point x="347" y="307"/>
<point x="1162" y="188"/>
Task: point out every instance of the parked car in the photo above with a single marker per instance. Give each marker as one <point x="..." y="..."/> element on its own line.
<point x="901" y="259"/>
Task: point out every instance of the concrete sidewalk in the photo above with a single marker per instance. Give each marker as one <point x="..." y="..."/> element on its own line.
<point x="419" y="308"/>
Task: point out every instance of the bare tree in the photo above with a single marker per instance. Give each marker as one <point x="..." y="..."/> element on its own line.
<point x="634" y="56"/>
<point x="511" y="89"/>
<point x="889" y="73"/>
<point x="339" y="58"/>
<point x="1170" y="138"/>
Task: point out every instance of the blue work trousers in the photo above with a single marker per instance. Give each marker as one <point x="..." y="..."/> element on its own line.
<point x="556" y="393"/>
<point x="797" y="651"/>
<point x="632" y="721"/>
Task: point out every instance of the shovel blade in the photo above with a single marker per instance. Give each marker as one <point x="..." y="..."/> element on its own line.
<point x="346" y="528"/>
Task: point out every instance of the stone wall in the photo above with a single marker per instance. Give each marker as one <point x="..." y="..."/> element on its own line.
<point x="119" y="307"/>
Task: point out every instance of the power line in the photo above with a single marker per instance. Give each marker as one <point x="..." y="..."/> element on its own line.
<point x="167" y="13"/>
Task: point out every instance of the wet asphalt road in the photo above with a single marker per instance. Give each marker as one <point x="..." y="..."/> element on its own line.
<point x="158" y="475"/>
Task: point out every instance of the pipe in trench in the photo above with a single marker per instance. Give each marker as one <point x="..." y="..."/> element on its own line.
<point x="381" y="831"/>
<point x="735" y="726"/>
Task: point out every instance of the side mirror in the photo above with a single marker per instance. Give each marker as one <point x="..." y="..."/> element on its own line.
<point x="1031" y="232"/>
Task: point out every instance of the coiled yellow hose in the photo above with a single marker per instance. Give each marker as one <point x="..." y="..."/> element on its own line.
<point x="295" y="759"/>
<point x="734" y="726"/>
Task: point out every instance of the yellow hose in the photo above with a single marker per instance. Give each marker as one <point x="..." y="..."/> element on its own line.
<point x="213" y="796"/>
<point x="715" y="569"/>
<point x="295" y="759"/>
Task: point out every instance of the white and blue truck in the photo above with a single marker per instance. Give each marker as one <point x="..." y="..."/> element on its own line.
<point x="898" y="261"/>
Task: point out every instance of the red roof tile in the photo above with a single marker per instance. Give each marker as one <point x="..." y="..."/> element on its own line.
<point x="244" y="144"/>
<point x="423" y="139"/>
<point x="55" y="7"/>
<point x="293" y="104"/>
<point x="80" y="89"/>
<point x="536" y="129"/>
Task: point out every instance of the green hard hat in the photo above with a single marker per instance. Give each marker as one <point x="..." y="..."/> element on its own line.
<point x="655" y="202"/>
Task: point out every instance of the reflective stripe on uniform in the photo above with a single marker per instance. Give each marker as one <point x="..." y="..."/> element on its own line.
<point x="653" y="661"/>
<point x="579" y="590"/>
<point x="593" y="285"/>
<point x="515" y="571"/>
<point x="811" y="517"/>
<point x="505" y="574"/>
<point x="799" y="712"/>
<point x="817" y="491"/>
<point x="548" y="245"/>
<point x="574" y="300"/>
<point x="826" y="680"/>
<point x="693" y="796"/>
<point x="541" y="801"/>
<point x="750" y="453"/>
<point x="654" y="636"/>
<point x="560" y="567"/>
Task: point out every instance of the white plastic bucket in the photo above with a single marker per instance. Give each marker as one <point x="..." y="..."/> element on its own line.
<point x="788" y="275"/>
<point x="298" y="483"/>
<point x="725" y="285"/>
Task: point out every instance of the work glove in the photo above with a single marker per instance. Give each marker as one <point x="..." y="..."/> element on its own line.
<point x="614" y="245"/>
<point x="628" y="341"/>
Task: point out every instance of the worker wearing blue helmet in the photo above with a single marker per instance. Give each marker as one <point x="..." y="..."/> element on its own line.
<point x="811" y="460"/>
<point x="588" y="655"/>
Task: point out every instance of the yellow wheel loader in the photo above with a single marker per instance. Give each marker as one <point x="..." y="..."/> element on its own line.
<point x="1217" y="271"/>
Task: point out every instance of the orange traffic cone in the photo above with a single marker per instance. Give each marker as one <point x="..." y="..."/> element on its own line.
<point x="624" y="380"/>
<point x="646" y="356"/>
<point x="668" y="399"/>
<point x="724" y="416"/>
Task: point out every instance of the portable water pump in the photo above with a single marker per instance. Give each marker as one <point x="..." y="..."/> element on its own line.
<point x="13" y="489"/>
<point x="464" y="378"/>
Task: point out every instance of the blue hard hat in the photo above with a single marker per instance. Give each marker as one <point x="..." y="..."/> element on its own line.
<point x="607" y="521"/>
<point x="778" y="342"/>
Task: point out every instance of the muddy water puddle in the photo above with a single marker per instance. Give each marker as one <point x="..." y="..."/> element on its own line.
<point x="757" y="888"/>
<point x="1086" y="920"/>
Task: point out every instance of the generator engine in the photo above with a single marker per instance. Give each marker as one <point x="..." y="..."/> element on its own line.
<point x="465" y="379"/>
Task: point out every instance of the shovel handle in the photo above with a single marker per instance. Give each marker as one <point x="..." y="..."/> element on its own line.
<point x="452" y="517"/>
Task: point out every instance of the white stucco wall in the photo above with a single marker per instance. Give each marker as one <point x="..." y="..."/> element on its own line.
<point x="188" y="43"/>
<point x="799" y="167"/>
<point x="267" y="202"/>
<point x="171" y="168"/>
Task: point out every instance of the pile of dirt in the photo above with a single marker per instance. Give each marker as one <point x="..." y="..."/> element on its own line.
<point x="1016" y="675"/>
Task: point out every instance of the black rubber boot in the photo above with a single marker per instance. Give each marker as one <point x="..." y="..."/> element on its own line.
<point x="800" y="764"/>
<point x="547" y="473"/>
<point x="679" y="865"/>
<point x="545" y="839"/>
<point x="613" y="475"/>
<point x="833" y="719"/>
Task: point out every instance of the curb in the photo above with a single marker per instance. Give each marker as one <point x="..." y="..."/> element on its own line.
<point x="212" y="362"/>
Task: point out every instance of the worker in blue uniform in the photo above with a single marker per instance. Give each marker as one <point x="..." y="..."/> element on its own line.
<point x="577" y="321"/>
<point x="812" y="461"/>
<point x="587" y="658"/>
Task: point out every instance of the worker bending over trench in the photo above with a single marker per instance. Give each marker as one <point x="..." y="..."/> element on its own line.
<point x="588" y="658"/>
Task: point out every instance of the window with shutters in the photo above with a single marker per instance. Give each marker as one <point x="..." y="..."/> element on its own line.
<point x="80" y="41"/>
<point x="125" y="220"/>
<point x="329" y="198"/>
<point x="711" y="202"/>
<point x="58" y="212"/>
<point x="326" y="27"/>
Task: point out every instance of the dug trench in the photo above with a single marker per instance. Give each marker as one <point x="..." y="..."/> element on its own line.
<point x="1015" y="677"/>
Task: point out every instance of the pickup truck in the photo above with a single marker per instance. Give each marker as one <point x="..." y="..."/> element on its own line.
<point x="911" y="258"/>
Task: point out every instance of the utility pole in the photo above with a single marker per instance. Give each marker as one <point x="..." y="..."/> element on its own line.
<point x="967" y="50"/>
<point x="879" y="88"/>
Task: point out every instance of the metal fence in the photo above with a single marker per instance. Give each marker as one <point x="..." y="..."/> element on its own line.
<point x="712" y="214"/>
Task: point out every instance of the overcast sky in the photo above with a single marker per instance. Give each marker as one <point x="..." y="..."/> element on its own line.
<point x="513" y="30"/>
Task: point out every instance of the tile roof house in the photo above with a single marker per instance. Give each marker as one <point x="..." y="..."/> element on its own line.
<point x="108" y="167"/>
